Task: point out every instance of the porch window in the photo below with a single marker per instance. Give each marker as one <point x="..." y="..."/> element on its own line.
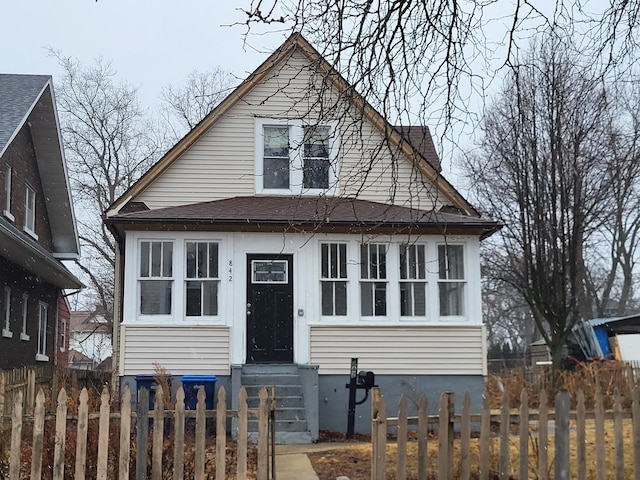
<point x="413" y="281"/>
<point x="6" y="313"/>
<point x="451" y="279"/>
<point x="373" y="275"/>
<point x="202" y="279"/>
<point x="333" y="278"/>
<point x="155" y="277"/>
<point x="42" y="332"/>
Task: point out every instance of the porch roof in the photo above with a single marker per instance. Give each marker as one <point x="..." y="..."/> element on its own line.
<point x="319" y="214"/>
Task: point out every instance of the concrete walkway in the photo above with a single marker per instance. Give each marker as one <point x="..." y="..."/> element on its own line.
<point x="292" y="462"/>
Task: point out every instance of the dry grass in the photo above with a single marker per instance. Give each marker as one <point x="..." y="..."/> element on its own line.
<point x="354" y="460"/>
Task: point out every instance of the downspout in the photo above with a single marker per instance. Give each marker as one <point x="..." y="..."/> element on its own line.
<point x="117" y="318"/>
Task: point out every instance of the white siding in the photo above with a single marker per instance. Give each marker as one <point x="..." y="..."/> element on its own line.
<point x="221" y="163"/>
<point x="428" y="350"/>
<point x="180" y="350"/>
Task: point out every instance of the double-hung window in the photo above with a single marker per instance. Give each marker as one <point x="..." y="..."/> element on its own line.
<point x="6" y="313"/>
<point x="333" y="278"/>
<point x="373" y="276"/>
<point x="413" y="281"/>
<point x="295" y="157"/>
<point x="451" y="279"/>
<point x="155" y="278"/>
<point x="202" y="279"/>
<point x="42" y="332"/>
<point x="30" y="210"/>
<point x="7" y="192"/>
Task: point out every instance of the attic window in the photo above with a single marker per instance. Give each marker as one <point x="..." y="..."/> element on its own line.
<point x="293" y="157"/>
<point x="8" y="172"/>
<point x="30" y="211"/>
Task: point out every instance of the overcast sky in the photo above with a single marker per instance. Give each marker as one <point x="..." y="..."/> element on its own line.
<point x="151" y="43"/>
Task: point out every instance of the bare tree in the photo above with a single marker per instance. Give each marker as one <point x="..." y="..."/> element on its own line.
<point x="426" y="62"/>
<point x="109" y="143"/>
<point x="541" y="169"/>
<point x="183" y="106"/>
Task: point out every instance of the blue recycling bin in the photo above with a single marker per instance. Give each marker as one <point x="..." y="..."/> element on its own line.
<point x="149" y="382"/>
<point x="191" y="385"/>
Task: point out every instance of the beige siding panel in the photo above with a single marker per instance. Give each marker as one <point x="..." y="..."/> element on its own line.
<point x="412" y="350"/>
<point x="183" y="350"/>
<point x="221" y="163"/>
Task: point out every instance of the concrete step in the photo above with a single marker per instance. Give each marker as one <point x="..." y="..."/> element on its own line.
<point x="290" y="413"/>
<point x="286" y="438"/>
<point x="281" y="425"/>
<point x="267" y="380"/>
<point x="296" y="401"/>
<point x="275" y="368"/>
<point x="253" y="391"/>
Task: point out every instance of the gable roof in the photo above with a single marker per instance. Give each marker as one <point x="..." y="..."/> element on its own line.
<point x="28" y="100"/>
<point x="296" y="42"/>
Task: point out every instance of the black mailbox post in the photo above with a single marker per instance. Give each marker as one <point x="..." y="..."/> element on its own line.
<point x="357" y="380"/>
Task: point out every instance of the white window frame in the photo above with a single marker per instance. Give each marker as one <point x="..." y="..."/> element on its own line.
<point x="444" y="280"/>
<point x="208" y="278"/>
<point x="161" y="278"/>
<point x="6" y="321"/>
<point x="296" y="160"/>
<point x="30" y="211"/>
<point x="373" y="278"/>
<point x="43" y="313"/>
<point x="25" y="312"/>
<point x="8" y="173"/>
<point x="333" y="278"/>
<point x="413" y="278"/>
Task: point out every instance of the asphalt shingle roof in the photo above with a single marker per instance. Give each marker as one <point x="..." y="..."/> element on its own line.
<point x="17" y="95"/>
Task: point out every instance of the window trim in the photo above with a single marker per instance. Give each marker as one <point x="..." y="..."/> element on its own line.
<point x="8" y="179"/>
<point x="63" y="334"/>
<point x="30" y="211"/>
<point x="6" y="321"/>
<point x="41" y="355"/>
<point x="296" y="157"/>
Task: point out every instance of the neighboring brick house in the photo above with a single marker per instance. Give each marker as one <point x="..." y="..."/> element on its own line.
<point x="290" y="230"/>
<point x="37" y="223"/>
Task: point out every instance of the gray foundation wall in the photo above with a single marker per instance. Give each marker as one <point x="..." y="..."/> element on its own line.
<point x="334" y="397"/>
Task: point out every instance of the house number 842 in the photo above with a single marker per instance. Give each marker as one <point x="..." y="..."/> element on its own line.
<point x="230" y="270"/>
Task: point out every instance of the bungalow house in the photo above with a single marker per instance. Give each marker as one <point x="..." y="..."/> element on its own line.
<point x="37" y="224"/>
<point x="291" y="230"/>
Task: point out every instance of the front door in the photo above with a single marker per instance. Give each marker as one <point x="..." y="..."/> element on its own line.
<point x="269" y="308"/>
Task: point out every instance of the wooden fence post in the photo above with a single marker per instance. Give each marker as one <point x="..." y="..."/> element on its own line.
<point x="142" y="433"/>
<point x="201" y="427"/>
<point x="504" y="464"/>
<point x="635" y="410"/>
<point x="381" y="441"/>
<point x="81" y="435"/>
<point x="543" y="438"/>
<point x="401" y="470"/>
<point x="263" y="435"/>
<point x="445" y="436"/>
<point x="103" y="432"/>
<point x="125" y="432"/>
<point x="158" y="434"/>
<point x="465" y="438"/>
<point x="38" y="437"/>
<point x="61" y="435"/>
<point x="485" y="437"/>
<point x="221" y="434"/>
<point x="242" y="433"/>
<point x="524" y="435"/>
<point x="619" y="434"/>
<point x="178" y="429"/>
<point x="375" y="408"/>
<point x="581" y="441"/>
<point x="423" y="434"/>
<point x="601" y="466"/>
<point x="563" y="411"/>
<point x="16" y="438"/>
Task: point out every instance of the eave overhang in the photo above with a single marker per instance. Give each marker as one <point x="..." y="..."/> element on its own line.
<point x="29" y="255"/>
